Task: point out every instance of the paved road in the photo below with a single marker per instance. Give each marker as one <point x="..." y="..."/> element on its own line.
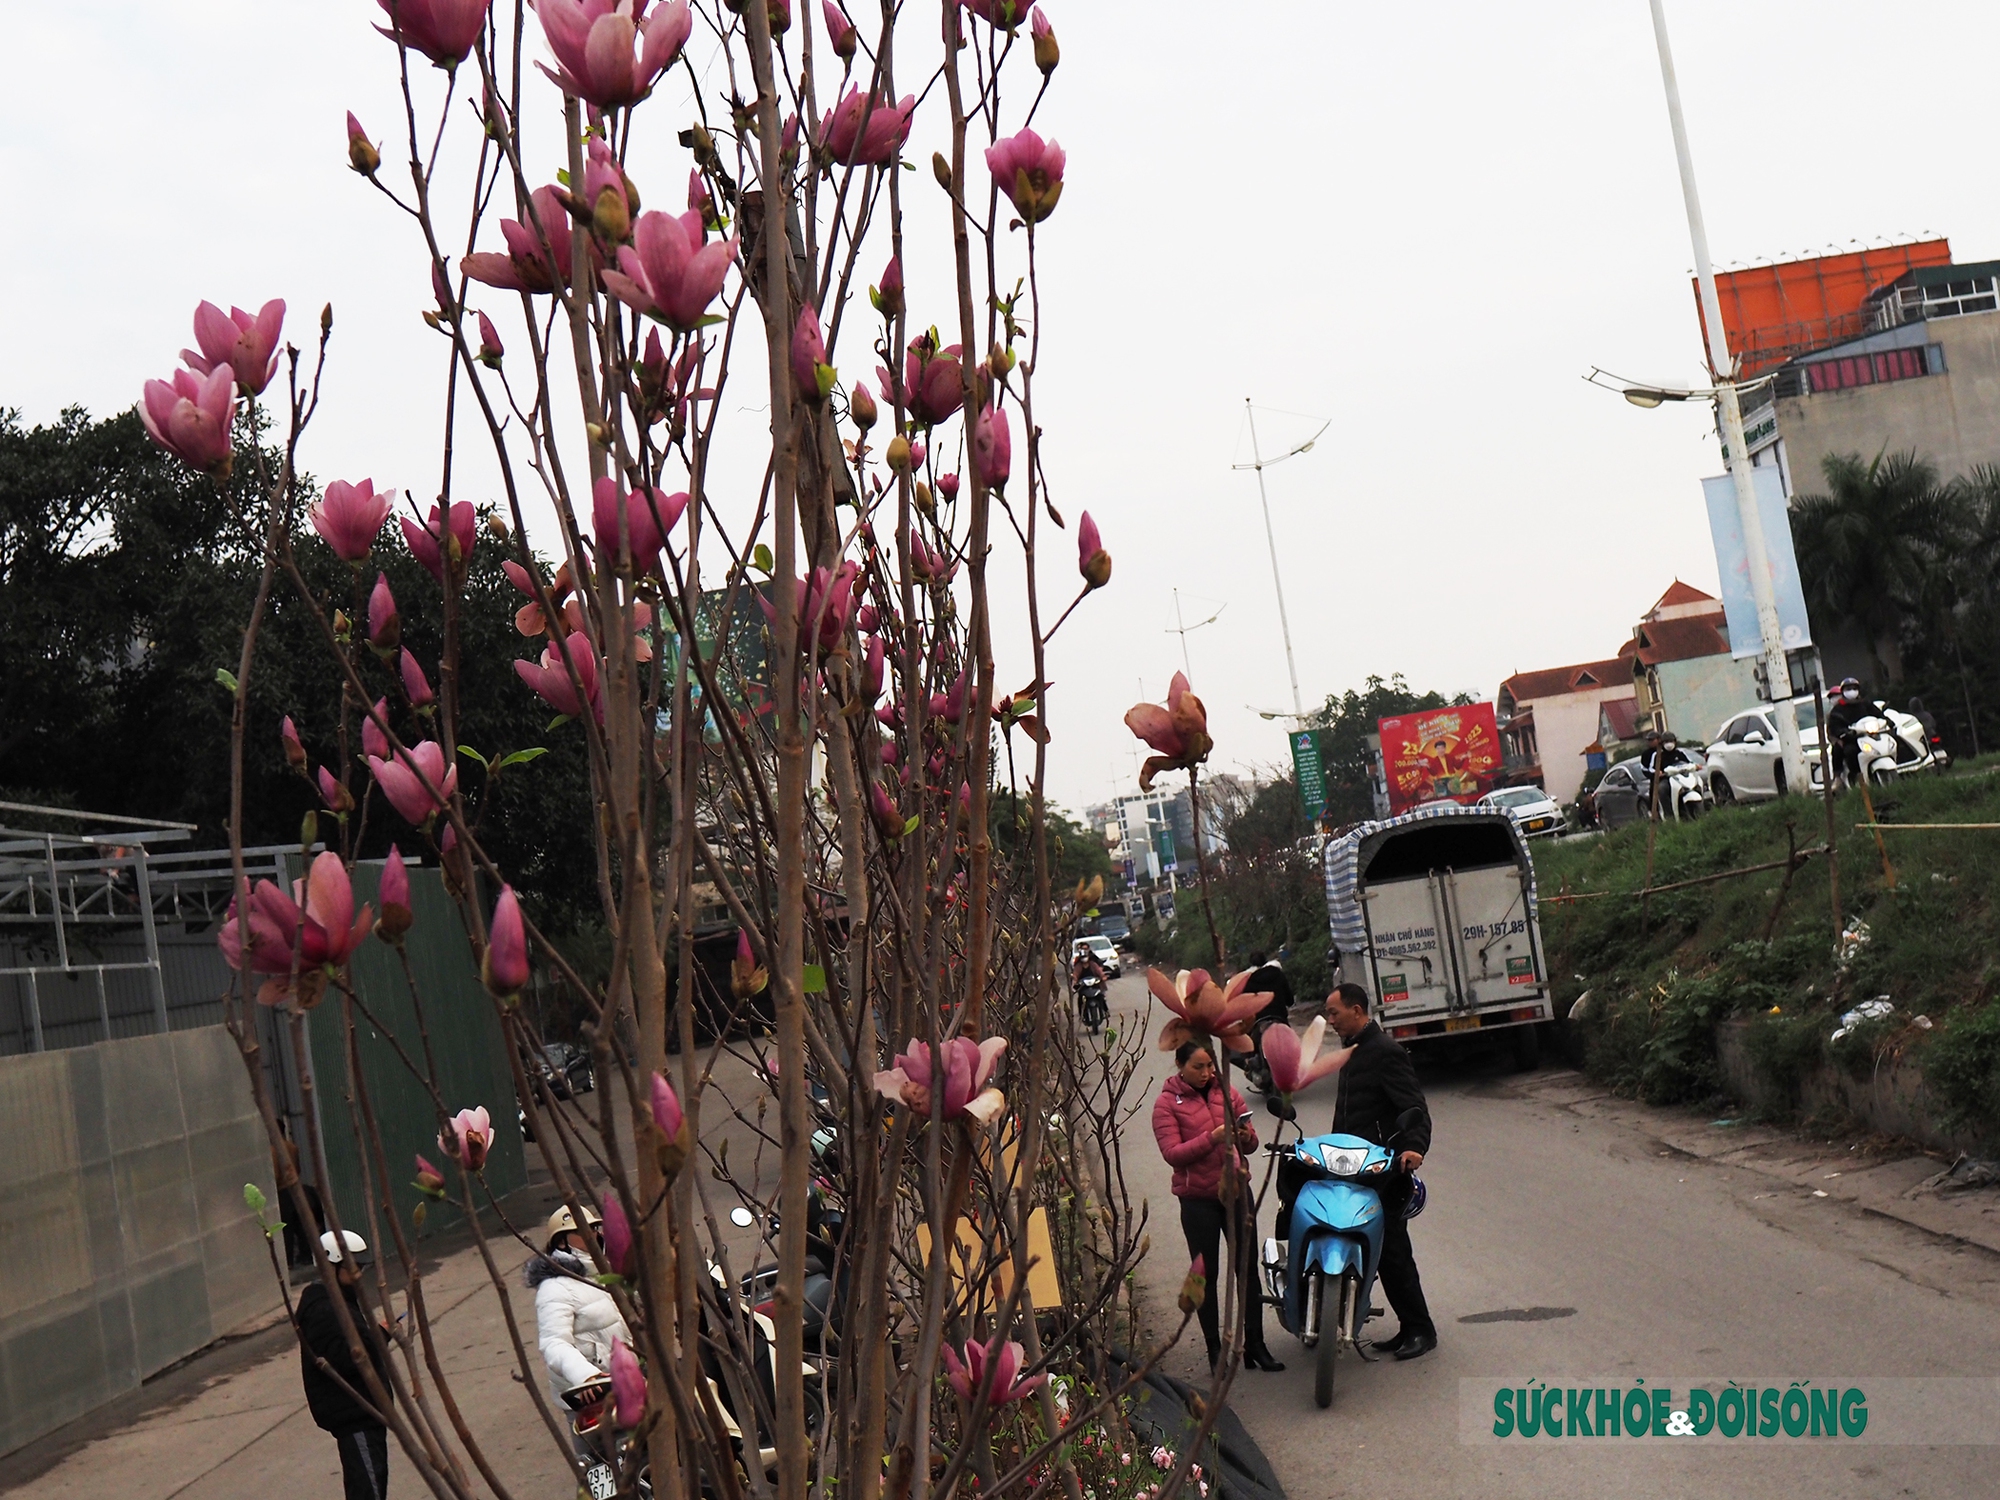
<point x="1665" y="1266"/>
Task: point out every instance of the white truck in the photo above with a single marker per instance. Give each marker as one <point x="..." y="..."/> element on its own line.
<point x="1433" y="913"/>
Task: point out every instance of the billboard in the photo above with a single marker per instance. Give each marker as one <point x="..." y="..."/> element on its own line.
<point x="1310" y="772"/>
<point x="1771" y="313"/>
<point x="1725" y="524"/>
<point x="1441" y="754"/>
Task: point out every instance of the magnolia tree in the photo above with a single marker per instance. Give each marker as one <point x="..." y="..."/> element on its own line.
<point x="832" y="799"/>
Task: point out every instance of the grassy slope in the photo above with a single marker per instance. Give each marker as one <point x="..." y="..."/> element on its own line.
<point x="1659" y="987"/>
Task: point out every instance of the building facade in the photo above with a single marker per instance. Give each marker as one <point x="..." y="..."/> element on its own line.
<point x="1546" y="718"/>
<point x="1684" y="680"/>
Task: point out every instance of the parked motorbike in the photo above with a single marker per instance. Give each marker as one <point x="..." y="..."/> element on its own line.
<point x="1684" y="795"/>
<point x="1093" y="1005"/>
<point x="1321" y="1279"/>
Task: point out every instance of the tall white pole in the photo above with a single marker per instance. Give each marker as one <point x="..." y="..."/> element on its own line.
<point x="1777" y="671"/>
<point x="1277" y="583"/>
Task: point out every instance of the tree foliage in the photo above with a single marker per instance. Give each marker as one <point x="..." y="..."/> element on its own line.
<point x="1346" y="720"/>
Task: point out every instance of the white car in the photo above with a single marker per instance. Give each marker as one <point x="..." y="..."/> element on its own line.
<point x="1533" y="810"/>
<point x="1103" y="947"/>
<point x="1744" y="765"/>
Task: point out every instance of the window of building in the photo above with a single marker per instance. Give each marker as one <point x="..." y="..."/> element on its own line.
<point x="1946" y="299"/>
<point x="1879" y="368"/>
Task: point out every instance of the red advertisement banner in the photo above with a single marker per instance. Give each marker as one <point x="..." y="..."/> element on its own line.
<point x="1439" y="755"/>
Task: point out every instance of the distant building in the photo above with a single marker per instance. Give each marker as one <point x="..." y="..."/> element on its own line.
<point x="1895" y="348"/>
<point x="1618" y="735"/>
<point x="1683" y="677"/>
<point x="1546" y="718"/>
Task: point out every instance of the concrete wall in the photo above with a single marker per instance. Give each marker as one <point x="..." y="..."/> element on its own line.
<point x="1563" y="726"/>
<point x="125" y="1244"/>
<point x="1951" y="419"/>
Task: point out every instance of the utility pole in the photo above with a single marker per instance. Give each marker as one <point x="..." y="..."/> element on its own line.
<point x="1777" y="671"/>
<point x="1271" y="540"/>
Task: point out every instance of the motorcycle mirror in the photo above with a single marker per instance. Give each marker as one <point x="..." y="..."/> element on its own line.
<point x="741" y="1217"/>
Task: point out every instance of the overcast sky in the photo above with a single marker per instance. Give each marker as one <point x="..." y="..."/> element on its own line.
<point x="1423" y="223"/>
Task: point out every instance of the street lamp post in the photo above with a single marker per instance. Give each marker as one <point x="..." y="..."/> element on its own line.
<point x="1777" y="672"/>
<point x="1271" y="540"/>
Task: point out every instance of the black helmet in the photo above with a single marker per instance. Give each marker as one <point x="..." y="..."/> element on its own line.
<point x="1850" y="687"/>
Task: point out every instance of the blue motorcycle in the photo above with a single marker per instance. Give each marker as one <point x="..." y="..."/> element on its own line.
<point x="1321" y="1280"/>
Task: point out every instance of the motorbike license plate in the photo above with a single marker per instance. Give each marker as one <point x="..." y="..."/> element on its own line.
<point x="603" y="1483"/>
<point x="1461" y="1023"/>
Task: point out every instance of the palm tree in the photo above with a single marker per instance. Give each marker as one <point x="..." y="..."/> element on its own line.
<point x="1868" y="546"/>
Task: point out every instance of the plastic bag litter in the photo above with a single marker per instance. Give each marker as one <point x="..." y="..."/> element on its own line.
<point x="1966" y="1172"/>
<point x="1867" y="1010"/>
<point x="1853" y="938"/>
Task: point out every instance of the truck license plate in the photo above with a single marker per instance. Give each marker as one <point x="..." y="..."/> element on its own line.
<point x="603" y="1483"/>
<point x="1461" y="1023"/>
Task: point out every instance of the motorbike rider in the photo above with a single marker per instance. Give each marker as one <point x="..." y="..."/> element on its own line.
<point x="1086" y="962"/>
<point x="575" y="1319"/>
<point x="1663" y="753"/>
<point x="1926" y="718"/>
<point x="1269" y="978"/>
<point x="1377" y="1087"/>
<point x="1849" y="705"/>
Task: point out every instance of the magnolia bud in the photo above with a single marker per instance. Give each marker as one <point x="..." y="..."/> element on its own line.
<point x="343" y="628"/>
<point x="497" y="525"/>
<point x="941" y="169"/>
<point x="361" y="156"/>
<point x="611" y="217"/>
<point x="897" y="454"/>
<point x="923" y="499"/>
<point x="861" y="408"/>
<point x="1047" y="53"/>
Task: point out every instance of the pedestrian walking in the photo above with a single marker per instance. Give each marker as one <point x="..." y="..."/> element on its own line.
<point x="1199" y="1131"/>
<point x="336" y="1390"/>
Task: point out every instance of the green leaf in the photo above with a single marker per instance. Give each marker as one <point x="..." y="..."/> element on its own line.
<point x="609" y="1279"/>
<point x="226" y="677"/>
<point x="825" y="376"/>
<point x="556" y="723"/>
<point x="521" y="757"/>
<point x="813" y="980"/>
<point x="760" y="558"/>
<point x="711" y="320"/>
<point x="474" y="755"/>
<point x="253" y="1197"/>
<point x="562" y="176"/>
<point x="911" y="826"/>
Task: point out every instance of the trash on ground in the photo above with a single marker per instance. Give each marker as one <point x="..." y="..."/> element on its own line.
<point x="1966" y="1172"/>
<point x="1867" y="1010"/>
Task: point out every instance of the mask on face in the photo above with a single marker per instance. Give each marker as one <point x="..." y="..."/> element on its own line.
<point x="1851" y="695"/>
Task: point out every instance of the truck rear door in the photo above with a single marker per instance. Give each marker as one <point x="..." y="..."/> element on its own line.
<point x="1415" y="979"/>
<point x="1493" y="936"/>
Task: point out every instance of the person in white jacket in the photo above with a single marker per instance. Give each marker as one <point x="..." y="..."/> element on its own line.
<point x="575" y="1318"/>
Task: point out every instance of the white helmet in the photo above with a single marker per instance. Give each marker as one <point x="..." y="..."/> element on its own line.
<point x="562" y="1222"/>
<point x="332" y="1247"/>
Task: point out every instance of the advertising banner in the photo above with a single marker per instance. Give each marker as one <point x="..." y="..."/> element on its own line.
<point x="1725" y="525"/>
<point x="1310" y="772"/>
<point x="1439" y="755"/>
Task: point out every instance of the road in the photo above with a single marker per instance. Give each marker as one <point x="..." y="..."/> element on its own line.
<point x="1643" y="1261"/>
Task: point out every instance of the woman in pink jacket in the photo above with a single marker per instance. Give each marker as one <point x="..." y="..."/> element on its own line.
<point x="1196" y="1135"/>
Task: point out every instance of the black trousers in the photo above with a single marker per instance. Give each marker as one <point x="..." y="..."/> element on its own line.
<point x="364" y="1463"/>
<point x="1202" y="1221"/>
<point x="1398" y="1272"/>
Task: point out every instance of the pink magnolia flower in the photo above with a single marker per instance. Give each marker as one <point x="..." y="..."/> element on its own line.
<point x="948" y="486"/>
<point x="933" y="382"/>
<point x="491" y="350"/>
<point x="1178" y="731"/>
<point x="746" y="977"/>
<point x="295" y="750"/>
<point x="467" y="1137"/>
<point x="1202" y="1008"/>
<point x="991" y="1368"/>
<point x="809" y="358"/>
<point x="1092" y="561"/>
<point x="504" y="969"/>
<point x="1295" y="1062"/>
<point x="430" y="1181"/>
<point x="524" y="268"/>
<point x="442" y="539"/>
<point x="1047" y="53"/>
<point x="1194" y="1287"/>
<point x="443" y="30"/>
<point x="550" y="680"/>
<point x="395" y="895"/>
<point x="668" y="272"/>
<point x="666" y="1108"/>
<point x="385" y="623"/>
<point x="648" y="516"/>
<point x="361" y="152"/>
<point x="317" y="918"/>
<point x="992" y="448"/>
<point x="617" y="1230"/>
<point x="190" y="416"/>
<point x="916" y="453"/>
<point x="374" y="740"/>
<point x="1004" y="13"/>
<point x="825" y="604"/>
<point x="348" y="517"/>
<point x="950" y="704"/>
<point x="415" y="683"/>
<point x="839" y="30"/>
<point x="247" y="343"/>
<point x="628" y="1386"/>
<point x="873" y="141"/>
<point x="610" y="51"/>
<point x="874" y="653"/>
<point x="883" y="809"/>
<point x="1029" y="170"/>
<point x="419" y="786"/>
<point x="967" y="1067"/>
<point x="928" y="564"/>
<point x="334" y="792"/>
<point x="888" y="297"/>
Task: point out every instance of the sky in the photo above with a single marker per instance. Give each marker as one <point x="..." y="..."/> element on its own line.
<point x="1418" y="225"/>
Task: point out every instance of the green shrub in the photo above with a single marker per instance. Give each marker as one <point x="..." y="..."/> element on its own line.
<point x="1962" y="1070"/>
<point x="1784" y="1049"/>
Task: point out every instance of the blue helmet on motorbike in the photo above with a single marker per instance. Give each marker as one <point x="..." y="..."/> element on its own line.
<point x="1418" y="1196"/>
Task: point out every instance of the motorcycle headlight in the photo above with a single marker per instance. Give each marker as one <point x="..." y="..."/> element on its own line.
<point x="1342" y="1162"/>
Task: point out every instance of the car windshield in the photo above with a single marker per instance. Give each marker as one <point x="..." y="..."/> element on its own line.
<point x="1518" y="796"/>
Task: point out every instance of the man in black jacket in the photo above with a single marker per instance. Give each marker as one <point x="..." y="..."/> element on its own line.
<point x="343" y="1410"/>
<point x="1269" y="978"/>
<point x="1377" y="1085"/>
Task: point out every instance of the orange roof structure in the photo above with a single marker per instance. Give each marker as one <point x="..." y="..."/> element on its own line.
<point x="1771" y="313"/>
<point x="1681" y="640"/>
<point x="1558" y="682"/>
<point x="1682" y="593"/>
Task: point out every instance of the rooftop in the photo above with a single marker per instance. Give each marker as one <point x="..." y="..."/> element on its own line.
<point x="1681" y="639"/>
<point x="1557" y="682"/>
